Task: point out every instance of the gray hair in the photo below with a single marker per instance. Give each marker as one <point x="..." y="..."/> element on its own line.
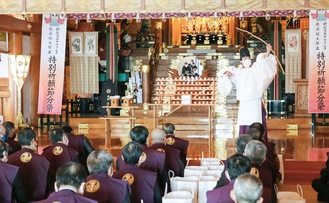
<point x="256" y="151"/>
<point x="99" y="161"/>
<point x="247" y="188"/>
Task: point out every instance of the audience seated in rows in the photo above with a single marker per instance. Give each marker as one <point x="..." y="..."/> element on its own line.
<point x="247" y="189"/>
<point x="173" y="161"/>
<point x="100" y="185"/>
<point x="69" y="185"/>
<point x="58" y="154"/>
<point x="240" y="146"/>
<point x="143" y="183"/>
<point x="236" y="165"/>
<point x="33" y="168"/>
<point x="79" y="143"/>
<point x="261" y="167"/>
<point x="151" y="160"/>
<point x="11" y="135"/>
<point x="175" y="142"/>
<point x="11" y="188"/>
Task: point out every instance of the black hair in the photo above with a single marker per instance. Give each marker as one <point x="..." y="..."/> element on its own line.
<point x="25" y="136"/>
<point x="260" y="126"/>
<point x="139" y="134"/>
<point x="9" y="126"/>
<point x="131" y="153"/>
<point x="241" y="142"/>
<point x="71" y="173"/>
<point x="56" y="135"/>
<point x="67" y="129"/>
<point x="169" y="128"/>
<point x="244" y="52"/>
<point x="255" y="133"/>
<point x="3" y="148"/>
<point x="237" y="165"/>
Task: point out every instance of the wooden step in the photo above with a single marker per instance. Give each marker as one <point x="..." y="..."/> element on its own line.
<point x="302" y="172"/>
<point x="281" y="123"/>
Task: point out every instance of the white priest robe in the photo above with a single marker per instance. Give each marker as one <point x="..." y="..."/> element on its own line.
<point x="250" y="84"/>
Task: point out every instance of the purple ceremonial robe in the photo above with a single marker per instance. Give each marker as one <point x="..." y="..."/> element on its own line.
<point x="33" y="169"/>
<point x="266" y="173"/>
<point x="173" y="161"/>
<point x="104" y="189"/>
<point x="76" y="143"/>
<point x="7" y="175"/>
<point x="58" y="154"/>
<point x="154" y="161"/>
<point x="221" y="194"/>
<point x="180" y="144"/>
<point x="142" y="183"/>
<point x="66" y="196"/>
<point x="268" y="195"/>
<point x="270" y="150"/>
<point x="13" y="145"/>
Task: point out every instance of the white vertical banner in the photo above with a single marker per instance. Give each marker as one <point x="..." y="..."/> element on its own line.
<point x="318" y="87"/>
<point x="52" y="64"/>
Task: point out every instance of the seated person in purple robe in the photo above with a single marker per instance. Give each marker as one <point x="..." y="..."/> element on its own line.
<point x="152" y="160"/>
<point x="14" y="146"/>
<point x="256" y="131"/>
<point x="69" y="185"/>
<point x="58" y="154"/>
<point x="79" y="143"/>
<point x="175" y="142"/>
<point x="33" y="168"/>
<point x="11" y="188"/>
<point x="240" y="146"/>
<point x="321" y="184"/>
<point x="144" y="184"/>
<point x="236" y="165"/>
<point x="247" y="189"/>
<point x="173" y="161"/>
<point x="100" y="185"/>
<point x="261" y="166"/>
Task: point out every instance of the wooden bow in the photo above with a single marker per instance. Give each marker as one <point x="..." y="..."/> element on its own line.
<point x="260" y="39"/>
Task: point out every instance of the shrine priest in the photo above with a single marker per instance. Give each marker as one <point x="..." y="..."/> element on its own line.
<point x="250" y="80"/>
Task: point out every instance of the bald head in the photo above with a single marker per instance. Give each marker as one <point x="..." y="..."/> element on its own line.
<point x="158" y="135"/>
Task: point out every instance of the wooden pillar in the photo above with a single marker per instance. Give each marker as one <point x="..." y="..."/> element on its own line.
<point x="16" y="28"/>
<point x="146" y="88"/>
<point x="233" y="23"/>
<point x="30" y="90"/>
<point x="10" y="103"/>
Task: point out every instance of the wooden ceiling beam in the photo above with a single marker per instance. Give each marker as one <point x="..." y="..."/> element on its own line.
<point x="14" y="25"/>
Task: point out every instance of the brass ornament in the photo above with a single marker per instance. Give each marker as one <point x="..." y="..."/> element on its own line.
<point x="129" y="178"/>
<point x="92" y="186"/>
<point x="254" y="171"/>
<point x="143" y="157"/>
<point x="26" y="157"/>
<point x="58" y="150"/>
<point x="161" y="150"/>
<point x="170" y="141"/>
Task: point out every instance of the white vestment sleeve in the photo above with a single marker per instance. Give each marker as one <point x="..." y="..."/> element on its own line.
<point x="224" y="83"/>
<point x="266" y="68"/>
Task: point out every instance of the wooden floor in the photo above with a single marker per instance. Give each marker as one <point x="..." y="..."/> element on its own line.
<point x="303" y="152"/>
